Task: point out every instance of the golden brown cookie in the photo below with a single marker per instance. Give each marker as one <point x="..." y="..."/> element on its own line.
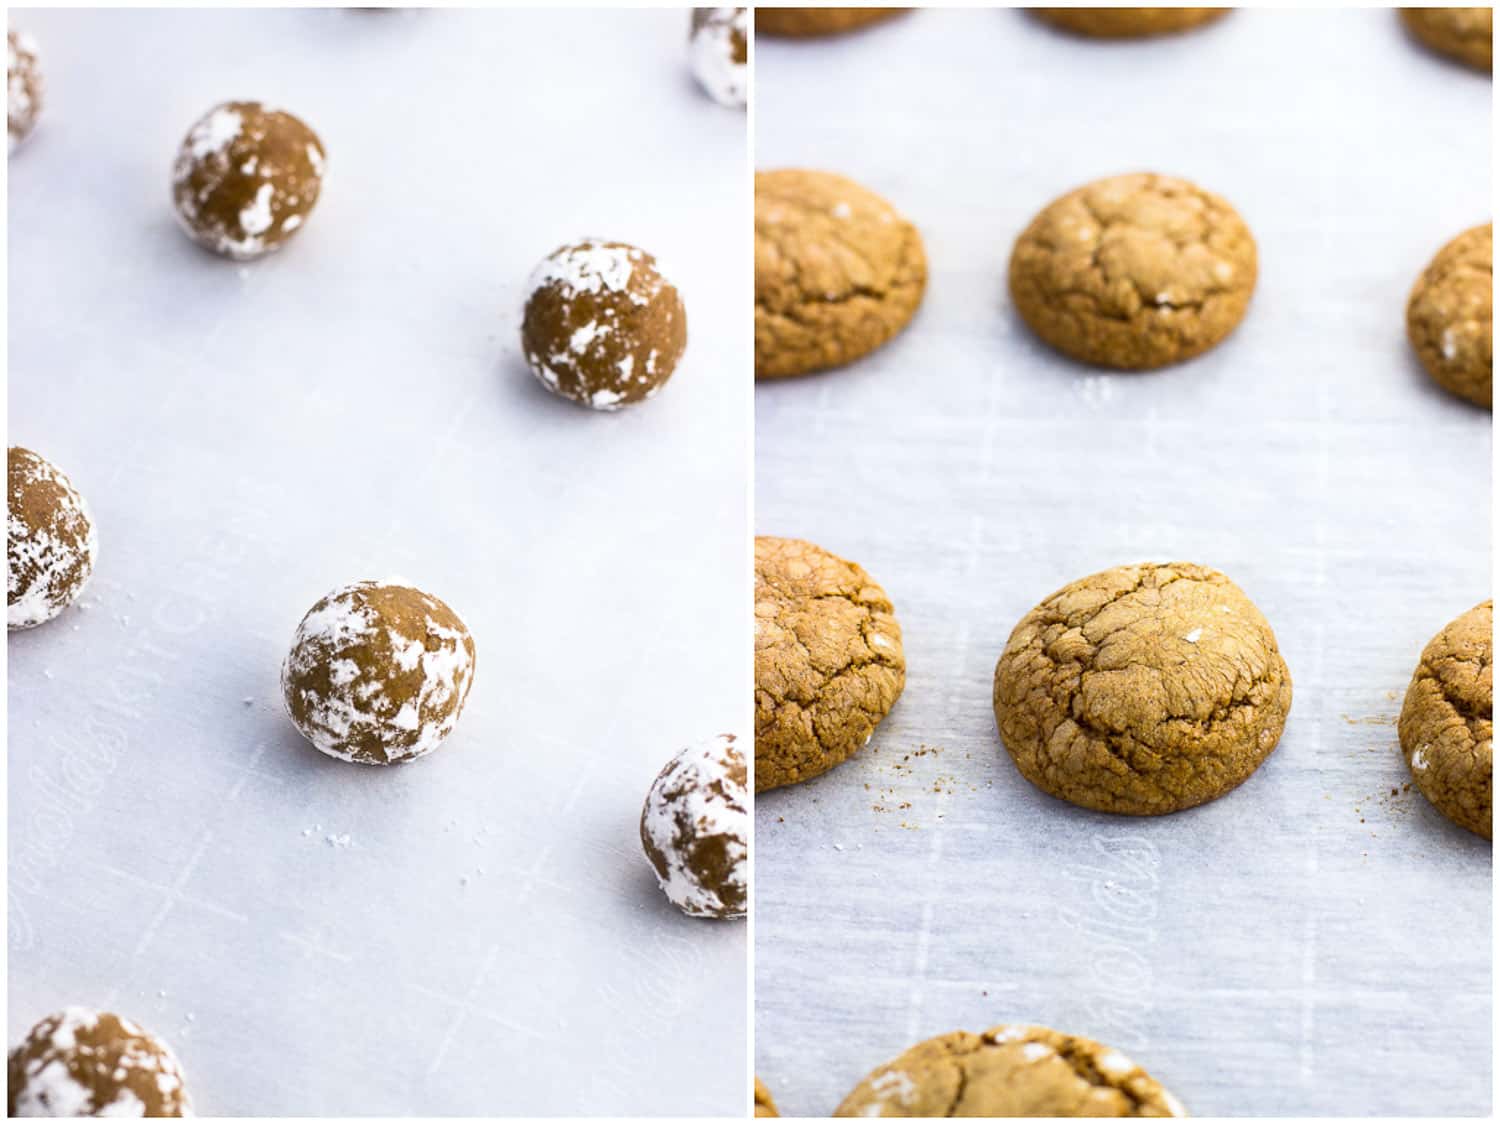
<point x="764" y="1106"/>
<point x="1010" y="1071"/>
<point x="1462" y="33"/>
<point x="1142" y="690"/>
<point x="1134" y="271"/>
<point x="1449" y="317"/>
<point x="837" y="272"/>
<point x="828" y="660"/>
<point x="1127" y="23"/>
<point x="83" y="1063"/>
<point x="808" y="23"/>
<point x="1446" y="723"/>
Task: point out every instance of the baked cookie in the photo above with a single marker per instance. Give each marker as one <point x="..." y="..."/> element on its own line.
<point x="82" y="1063"/>
<point x="1449" y="317"/>
<point x="1010" y="1071"/>
<point x="1465" y="34"/>
<point x="1134" y="271"/>
<point x="718" y="52"/>
<point x="828" y="660"/>
<point x="1446" y="723"/>
<point x="837" y="271"/>
<point x="695" y="827"/>
<point x="246" y="178"/>
<point x="764" y="1106"/>
<point x="50" y="540"/>
<point x="601" y="325"/>
<point x="1142" y="690"/>
<point x="1127" y="23"/>
<point x="378" y="673"/>
<point x="23" y="81"/>
<point x="809" y="23"/>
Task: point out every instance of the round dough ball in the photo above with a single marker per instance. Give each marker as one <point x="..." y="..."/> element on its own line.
<point x="1465" y="34"/>
<point x="837" y="271"/>
<point x="717" y="51"/>
<point x="828" y="660"/>
<point x="1142" y="690"/>
<point x="764" y="1105"/>
<point x="246" y="179"/>
<point x="50" y="543"/>
<point x="23" y="79"/>
<point x="807" y="23"/>
<point x="1449" y="317"/>
<point x="1134" y="271"/>
<point x="378" y="673"/>
<point x="82" y="1063"/>
<point x="695" y="827"/>
<point x="1446" y="723"/>
<point x="1128" y="23"/>
<point x="1010" y="1071"/>
<point x="602" y="326"/>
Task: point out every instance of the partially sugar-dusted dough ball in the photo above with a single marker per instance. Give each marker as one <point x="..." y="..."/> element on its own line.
<point x="23" y="80"/>
<point x="718" y="55"/>
<point x="83" y="1063"/>
<point x="50" y="541"/>
<point x="1450" y="315"/>
<point x="246" y="178"/>
<point x="378" y="673"/>
<point x="601" y="325"/>
<point x="695" y="827"/>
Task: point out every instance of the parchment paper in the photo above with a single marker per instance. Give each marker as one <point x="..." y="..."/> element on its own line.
<point x="1317" y="942"/>
<point x="478" y="932"/>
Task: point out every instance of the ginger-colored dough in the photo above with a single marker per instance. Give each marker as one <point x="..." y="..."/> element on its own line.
<point x="83" y="1063"/>
<point x="809" y="23"/>
<point x="828" y="660"/>
<point x="1142" y="690"/>
<point x="1134" y="271"/>
<point x="1128" y="23"/>
<point x="1450" y="318"/>
<point x="764" y="1105"/>
<point x="1446" y="724"/>
<point x="837" y="272"/>
<point x="1465" y="34"/>
<point x="1010" y="1071"/>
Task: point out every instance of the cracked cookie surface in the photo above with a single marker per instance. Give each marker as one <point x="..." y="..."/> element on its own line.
<point x="828" y="660"/>
<point x="1465" y="34"/>
<point x="808" y="23"/>
<point x="1449" y="316"/>
<point x="838" y="272"/>
<point x="1142" y="690"/>
<point x="1446" y="724"/>
<point x="1127" y="23"/>
<point x="1134" y="271"/>
<point x="1012" y="1070"/>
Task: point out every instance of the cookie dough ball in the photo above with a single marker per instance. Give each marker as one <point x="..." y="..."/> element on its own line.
<point x="378" y="673"/>
<point x="602" y="326"/>
<point x="23" y="77"/>
<point x="1142" y="690"/>
<point x="246" y="179"/>
<point x="1446" y="722"/>
<point x="809" y="23"/>
<point x="82" y="1063"/>
<point x="1010" y="1071"/>
<point x="1464" y="34"/>
<point x="50" y="542"/>
<point x="764" y="1106"/>
<point x="695" y="827"/>
<point x="717" y="50"/>
<point x="1127" y="23"/>
<point x="828" y="660"/>
<point x="1134" y="272"/>
<point x="837" y="271"/>
<point x="1449" y="317"/>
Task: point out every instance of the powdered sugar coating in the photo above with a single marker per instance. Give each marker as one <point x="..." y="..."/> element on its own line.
<point x="83" y="1063"/>
<point x="51" y="542"/>
<point x="695" y="827"/>
<point x="378" y="673"/>
<point x="717" y="54"/>
<point x="23" y="84"/>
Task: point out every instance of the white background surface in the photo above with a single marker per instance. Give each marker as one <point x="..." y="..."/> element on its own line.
<point x="1308" y="944"/>
<point x="490" y="939"/>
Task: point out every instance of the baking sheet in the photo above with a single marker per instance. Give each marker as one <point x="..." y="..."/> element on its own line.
<point x="1317" y="942"/>
<point x="478" y="932"/>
